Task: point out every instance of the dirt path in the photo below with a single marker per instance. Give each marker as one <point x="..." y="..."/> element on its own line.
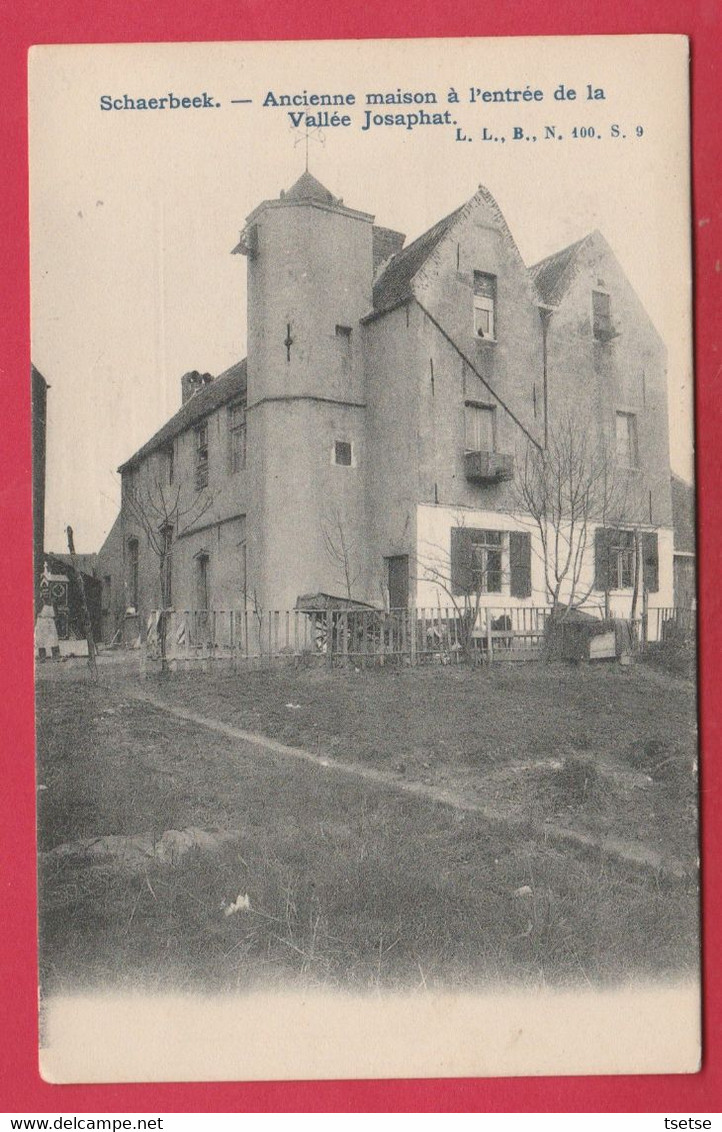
<point x="631" y="854"/>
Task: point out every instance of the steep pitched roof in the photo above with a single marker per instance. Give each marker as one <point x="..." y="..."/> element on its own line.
<point x="227" y="386"/>
<point x="393" y="286"/>
<point x="308" y="188"/>
<point x="553" y="274"/>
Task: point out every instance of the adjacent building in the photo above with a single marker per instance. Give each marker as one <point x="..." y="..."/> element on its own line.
<point x="371" y="444"/>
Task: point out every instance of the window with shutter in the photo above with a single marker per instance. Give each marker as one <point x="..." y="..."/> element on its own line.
<point x="622" y="560"/>
<point x="486" y="555"/>
<point x="614" y="559"/>
<point x="602" y="544"/>
<point x="461" y="579"/>
<point x="520" y="563"/>
<point x="650" y="558"/>
<point x="476" y="560"/>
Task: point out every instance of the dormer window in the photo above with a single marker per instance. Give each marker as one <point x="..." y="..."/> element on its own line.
<point x="484" y="305"/>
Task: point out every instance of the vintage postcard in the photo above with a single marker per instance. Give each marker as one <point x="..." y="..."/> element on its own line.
<point x="364" y="559"/>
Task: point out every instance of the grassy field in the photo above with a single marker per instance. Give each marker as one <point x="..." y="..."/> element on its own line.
<point x="602" y="749"/>
<point x="351" y="884"/>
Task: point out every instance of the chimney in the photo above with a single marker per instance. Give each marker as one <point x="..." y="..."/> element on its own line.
<point x="192" y="383"/>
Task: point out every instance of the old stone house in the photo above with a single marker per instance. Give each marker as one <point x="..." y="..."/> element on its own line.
<point x="378" y="424"/>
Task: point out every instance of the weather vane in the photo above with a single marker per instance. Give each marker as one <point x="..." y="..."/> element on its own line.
<point x="315" y="133"/>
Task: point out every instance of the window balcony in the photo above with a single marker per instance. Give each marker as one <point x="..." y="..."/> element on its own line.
<point x="488" y="467"/>
<point x="605" y="330"/>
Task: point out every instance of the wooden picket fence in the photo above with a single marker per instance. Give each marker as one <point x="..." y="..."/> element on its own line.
<point x="364" y="637"/>
<point x="440" y="635"/>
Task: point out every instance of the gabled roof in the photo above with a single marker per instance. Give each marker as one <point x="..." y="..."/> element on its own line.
<point x="224" y="389"/>
<point x="393" y="286"/>
<point x="554" y="274"/>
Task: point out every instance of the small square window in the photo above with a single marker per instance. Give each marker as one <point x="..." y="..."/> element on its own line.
<point x="343" y="332"/>
<point x="343" y="453"/>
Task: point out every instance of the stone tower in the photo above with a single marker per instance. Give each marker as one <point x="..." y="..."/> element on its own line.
<point x="310" y="267"/>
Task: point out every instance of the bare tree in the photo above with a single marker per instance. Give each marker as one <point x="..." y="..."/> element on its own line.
<point x="341" y="550"/>
<point x="566" y="489"/>
<point x="164" y="514"/>
<point x="464" y="579"/>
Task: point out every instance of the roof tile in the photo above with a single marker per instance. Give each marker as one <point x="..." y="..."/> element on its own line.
<point x="227" y="386"/>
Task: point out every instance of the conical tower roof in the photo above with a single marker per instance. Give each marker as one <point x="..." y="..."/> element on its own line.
<point x="308" y="188"/>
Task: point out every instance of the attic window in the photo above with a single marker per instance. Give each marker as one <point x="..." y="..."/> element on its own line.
<point x="343" y="332"/>
<point x="484" y="305"/>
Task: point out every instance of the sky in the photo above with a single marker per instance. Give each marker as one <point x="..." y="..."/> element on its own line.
<point x="134" y="213"/>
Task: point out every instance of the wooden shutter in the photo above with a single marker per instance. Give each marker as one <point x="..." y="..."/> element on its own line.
<point x="602" y="546"/>
<point x="520" y="563"/>
<point x="461" y="572"/>
<point x="650" y="557"/>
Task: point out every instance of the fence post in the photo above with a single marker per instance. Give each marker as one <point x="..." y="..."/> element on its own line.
<point x="645" y="619"/>
<point x="328" y="618"/>
<point x="489" y="642"/>
<point x="411" y="614"/>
